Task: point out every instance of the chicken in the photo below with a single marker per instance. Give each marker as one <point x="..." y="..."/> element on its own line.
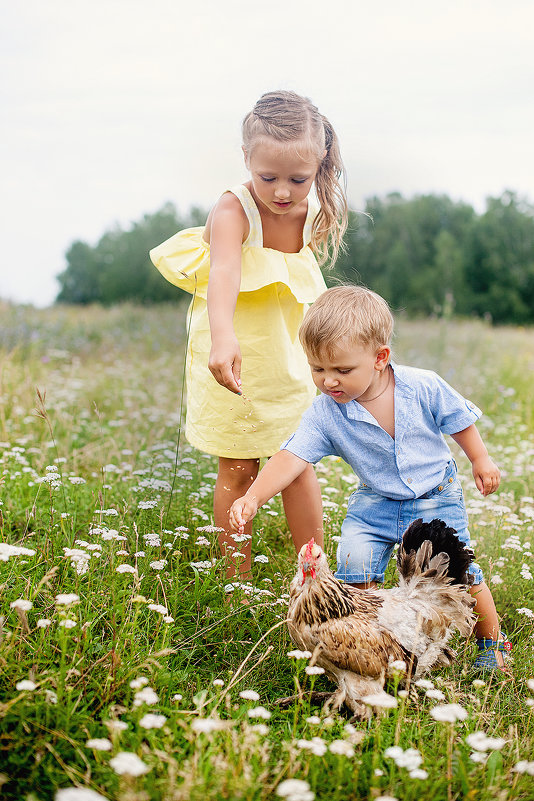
<point x="355" y="634"/>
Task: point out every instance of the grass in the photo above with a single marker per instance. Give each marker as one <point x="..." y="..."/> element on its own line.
<point x="89" y="423"/>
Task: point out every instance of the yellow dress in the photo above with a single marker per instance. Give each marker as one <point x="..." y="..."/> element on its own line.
<point x="275" y="291"/>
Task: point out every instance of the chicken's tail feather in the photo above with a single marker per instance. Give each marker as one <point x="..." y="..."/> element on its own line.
<point x="434" y="546"/>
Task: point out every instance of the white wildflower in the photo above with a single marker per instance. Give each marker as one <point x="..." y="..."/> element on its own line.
<point x="67" y="624"/>
<point x="435" y="695"/>
<point x="448" y="713"/>
<point x="21" y="604"/>
<point x="116" y="725"/>
<point x="342" y="748"/>
<point x="299" y="654"/>
<point x="249" y="695"/>
<point x="125" y="568"/>
<point x="207" y="725"/>
<point x="136" y="684"/>
<point x="523" y="766"/>
<point x="314" y="720"/>
<point x="128" y="764"/>
<point x="480" y="742"/>
<point x="313" y="670"/>
<point x="382" y="700"/>
<point x="6" y="551"/>
<point x="424" y="684"/>
<point x="295" y="790"/>
<point x="67" y="599"/>
<point x="26" y="684"/>
<point x="99" y="744"/>
<point x="479" y="756"/>
<point x="259" y="712"/>
<point x="159" y="564"/>
<point x="152" y="721"/>
<point x="261" y="558"/>
<point x="78" y="794"/>
<point x="145" y="696"/>
<point x="158" y="608"/>
<point x="317" y="746"/>
<point x="418" y="773"/>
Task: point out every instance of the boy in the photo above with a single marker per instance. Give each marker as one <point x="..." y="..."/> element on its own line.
<point x="387" y="422"/>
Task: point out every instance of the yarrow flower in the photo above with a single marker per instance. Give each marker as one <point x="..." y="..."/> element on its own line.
<point x="99" y="744"/>
<point x="299" y="654"/>
<point x="448" y="713"/>
<point x="127" y="763"/>
<point x="480" y="742"/>
<point x="316" y="745"/>
<point x="382" y="700"/>
<point x="207" y="725"/>
<point x="152" y="721"/>
<point x="313" y="670"/>
<point x="145" y="696"/>
<point x="342" y="748"/>
<point x="249" y="695"/>
<point x="78" y="794"/>
<point x="21" y="604"/>
<point x="67" y="599"/>
<point x="26" y="684"/>
<point x="295" y="790"/>
<point x="259" y="712"/>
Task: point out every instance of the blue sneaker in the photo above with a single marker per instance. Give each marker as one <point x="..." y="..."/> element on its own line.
<point x="486" y="659"/>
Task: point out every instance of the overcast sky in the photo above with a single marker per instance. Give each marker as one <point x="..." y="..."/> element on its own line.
<point x="113" y="107"/>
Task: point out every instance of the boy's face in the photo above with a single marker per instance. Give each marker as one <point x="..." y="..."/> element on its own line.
<point x="352" y="372"/>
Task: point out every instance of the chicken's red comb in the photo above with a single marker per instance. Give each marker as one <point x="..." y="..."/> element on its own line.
<point x="309" y="546"/>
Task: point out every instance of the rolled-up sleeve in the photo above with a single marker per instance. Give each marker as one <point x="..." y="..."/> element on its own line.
<point x="452" y="412"/>
<point x="309" y="442"/>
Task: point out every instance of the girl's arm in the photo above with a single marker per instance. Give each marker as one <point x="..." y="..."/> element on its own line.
<point x="279" y="472"/>
<point x="226" y="235"/>
<point x="485" y="472"/>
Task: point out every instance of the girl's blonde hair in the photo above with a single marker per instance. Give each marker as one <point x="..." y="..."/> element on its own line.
<point x="288" y="117"/>
<point x="346" y="314"/>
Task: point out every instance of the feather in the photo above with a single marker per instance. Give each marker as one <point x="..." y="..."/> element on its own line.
<point x="356" y="634"/>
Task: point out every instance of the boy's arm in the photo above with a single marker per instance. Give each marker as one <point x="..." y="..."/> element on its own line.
<point x="485" y="472"/>
<point x="278" y="473"/>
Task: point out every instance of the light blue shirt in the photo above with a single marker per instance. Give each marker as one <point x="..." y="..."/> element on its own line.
<point x="406" y="467"/>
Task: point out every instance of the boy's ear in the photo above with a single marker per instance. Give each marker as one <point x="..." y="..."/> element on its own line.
<point x="245" y="155"/>
<point x="382" y="357"/>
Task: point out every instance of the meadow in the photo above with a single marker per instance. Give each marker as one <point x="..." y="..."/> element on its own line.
<point x="132" y="671"/>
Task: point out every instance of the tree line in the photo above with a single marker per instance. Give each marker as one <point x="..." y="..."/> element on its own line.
<point x="427" y="255"/>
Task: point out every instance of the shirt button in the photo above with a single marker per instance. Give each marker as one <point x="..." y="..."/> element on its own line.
<point x="451" y="480"/>
<point x="409" y="480"/>
<point x="440" y="487"/>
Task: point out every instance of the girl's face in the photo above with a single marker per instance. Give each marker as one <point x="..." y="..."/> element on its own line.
<point x="281" y="176"/>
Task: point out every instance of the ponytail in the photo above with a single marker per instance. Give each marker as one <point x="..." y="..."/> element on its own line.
<point x="331" y="222"/>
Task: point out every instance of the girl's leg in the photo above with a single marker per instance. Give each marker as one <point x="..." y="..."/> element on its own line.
<point x="488" y="622"/>
<point x="233" y="480"/>
<point x="304" y="509"/>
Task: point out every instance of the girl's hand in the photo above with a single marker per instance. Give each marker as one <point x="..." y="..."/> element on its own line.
<point x="486" y="474"/>
<point x="241" y="511"/>
<point x="225" y="363"/>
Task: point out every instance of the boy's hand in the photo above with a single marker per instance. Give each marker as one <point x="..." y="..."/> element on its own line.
<point x="241" y="511"/>
<point x="486" y="474"/>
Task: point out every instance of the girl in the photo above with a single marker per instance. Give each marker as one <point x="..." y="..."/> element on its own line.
<point x="252" y="271"/>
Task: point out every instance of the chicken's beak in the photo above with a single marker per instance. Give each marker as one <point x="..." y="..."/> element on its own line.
<point x="307" y="568"/>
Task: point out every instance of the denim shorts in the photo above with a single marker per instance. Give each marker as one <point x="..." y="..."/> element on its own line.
<point x="375" y="524"/>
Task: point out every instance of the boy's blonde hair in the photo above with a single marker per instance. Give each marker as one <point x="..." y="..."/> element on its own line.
<point x="346" y="314"/>
<point x="288" y="117"/>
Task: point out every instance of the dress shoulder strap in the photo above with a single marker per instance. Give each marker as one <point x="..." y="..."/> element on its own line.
<point x="255" y="234"/>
